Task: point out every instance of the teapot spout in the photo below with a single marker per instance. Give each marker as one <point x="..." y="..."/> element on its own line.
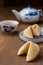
<point x="17" y="14"/>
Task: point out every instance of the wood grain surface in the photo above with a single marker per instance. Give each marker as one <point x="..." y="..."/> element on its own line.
<point x="10" y="43"/>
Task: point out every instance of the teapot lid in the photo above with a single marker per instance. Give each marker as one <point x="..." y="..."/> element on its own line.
<point x="30" y="6"/>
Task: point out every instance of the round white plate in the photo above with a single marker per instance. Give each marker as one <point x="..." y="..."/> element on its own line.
<point x="35" y="39"/>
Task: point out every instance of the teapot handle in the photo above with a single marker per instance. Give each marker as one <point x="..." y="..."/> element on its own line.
<point x="40" y="12"/>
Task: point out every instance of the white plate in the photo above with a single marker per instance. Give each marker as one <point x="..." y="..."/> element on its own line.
<point x="36" y="39"/>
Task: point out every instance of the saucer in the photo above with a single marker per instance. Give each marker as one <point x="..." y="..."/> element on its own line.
<point x="35" y="39"/>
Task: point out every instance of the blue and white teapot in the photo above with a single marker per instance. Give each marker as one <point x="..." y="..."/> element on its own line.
<point x="28" y="14"/>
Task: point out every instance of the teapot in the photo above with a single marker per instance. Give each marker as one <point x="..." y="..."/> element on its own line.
<point x="28" y="14"/>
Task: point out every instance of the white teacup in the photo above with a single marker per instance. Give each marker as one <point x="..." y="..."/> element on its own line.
<point x="9" y="25"/>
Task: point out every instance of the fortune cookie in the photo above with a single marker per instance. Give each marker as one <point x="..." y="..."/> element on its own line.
<point x="33" y="51"/>
<point x="23" y="49"/>
<point x="36" y="30"/>
<point x="28" y="33"/>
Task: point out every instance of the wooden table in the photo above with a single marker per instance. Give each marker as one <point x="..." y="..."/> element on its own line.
<point x="10" y="43"/>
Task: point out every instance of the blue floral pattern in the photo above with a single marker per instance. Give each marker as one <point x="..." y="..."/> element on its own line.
<point x="8" y="29"/>
<point x="31" y="14"/>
